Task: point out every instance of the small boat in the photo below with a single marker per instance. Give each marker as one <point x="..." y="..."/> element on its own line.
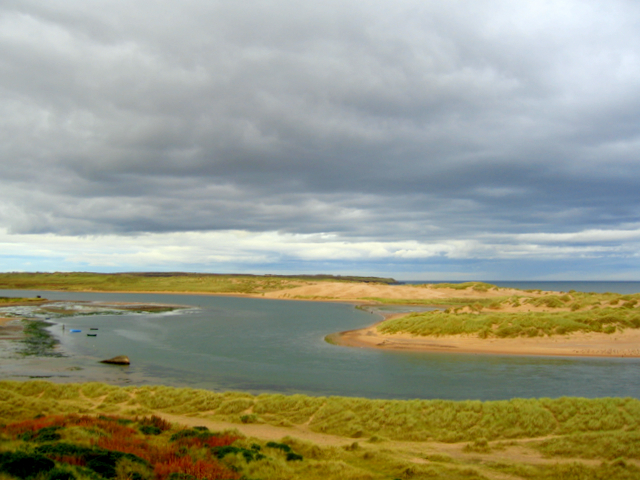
<point x="92" y="334"/>
<point x="75" y="330"/>
<point x="93" y="328"/>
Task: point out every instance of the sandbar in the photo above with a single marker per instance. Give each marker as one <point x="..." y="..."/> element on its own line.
<point x="625" y="344"/>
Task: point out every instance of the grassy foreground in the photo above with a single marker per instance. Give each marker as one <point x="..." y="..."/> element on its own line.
<point x="566" y="438"/>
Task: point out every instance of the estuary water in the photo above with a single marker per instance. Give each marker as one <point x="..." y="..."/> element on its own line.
<point x="257" y="345"/>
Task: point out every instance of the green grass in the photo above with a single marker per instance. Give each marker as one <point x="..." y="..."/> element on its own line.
<point x="439" y="302"/>
<point x="476" y="286"/>
<point x="509" y="325"/>
<point x="170" y="282"/>
<point x="37" y="340"/>
<point x="419" y="420"/>
<point x="604" y="429"/>
<point x="7" y="301"/>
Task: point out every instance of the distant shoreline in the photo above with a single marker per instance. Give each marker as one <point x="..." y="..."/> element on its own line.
<point x="625" y="344"/>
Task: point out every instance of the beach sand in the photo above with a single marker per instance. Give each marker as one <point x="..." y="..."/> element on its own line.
<point x="626" y="344"/>
<point x="362" y="291"/>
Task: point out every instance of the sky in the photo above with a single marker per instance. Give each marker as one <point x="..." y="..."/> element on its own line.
<point x="418" y="139"/>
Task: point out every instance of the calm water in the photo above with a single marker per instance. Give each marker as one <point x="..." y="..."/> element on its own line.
<point x="277" y="346"/>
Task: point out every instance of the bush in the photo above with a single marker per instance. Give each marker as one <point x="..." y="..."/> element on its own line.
<point x="150" y="430"/>
<point x="24" y="465"/>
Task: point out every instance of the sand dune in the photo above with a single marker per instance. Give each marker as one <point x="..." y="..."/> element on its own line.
<point x="359" y="291"/>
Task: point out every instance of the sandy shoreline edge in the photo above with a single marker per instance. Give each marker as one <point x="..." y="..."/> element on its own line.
<point x="625" y="344"/>
<point x="620" y="344"/>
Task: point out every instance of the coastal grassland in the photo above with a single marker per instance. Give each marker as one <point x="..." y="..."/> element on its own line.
<point x="10" y="301"/>
<point x="370" y="439"/>
<point x="514" y="324"/>
<point x="167" y="282"/>
<point x="405" y="420"/>
<point x="479" y="296"/>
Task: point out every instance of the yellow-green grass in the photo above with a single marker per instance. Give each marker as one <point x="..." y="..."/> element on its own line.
<point x="440" y="302"/>
<point x="182" y="282"/>
<point x="516" y="324"/>
<point x="546" y="300"/>
<point x="475" y="286"/>
<point x="409" y="420"/>
<point x="8" y="301"/>
<point x="563" y="430"/>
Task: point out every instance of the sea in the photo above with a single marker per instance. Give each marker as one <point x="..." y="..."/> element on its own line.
<point x="275" y="346"/>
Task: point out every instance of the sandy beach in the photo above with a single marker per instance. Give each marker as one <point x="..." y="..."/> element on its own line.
<point x="626" y="344"/>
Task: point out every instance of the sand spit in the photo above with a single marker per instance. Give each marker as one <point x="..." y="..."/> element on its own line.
<point x="626" y="344"/>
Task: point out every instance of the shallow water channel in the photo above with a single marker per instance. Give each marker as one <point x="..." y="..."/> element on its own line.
<point x="260" y="346"/>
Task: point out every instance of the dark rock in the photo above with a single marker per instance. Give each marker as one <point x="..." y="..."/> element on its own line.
<point x="119" y="360"/>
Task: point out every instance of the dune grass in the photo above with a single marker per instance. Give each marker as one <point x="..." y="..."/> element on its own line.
<point x="407" y="420"/>
<point x="509" y="325"/>
<point x="565" y="428"/>
<point x="8" y="301"/>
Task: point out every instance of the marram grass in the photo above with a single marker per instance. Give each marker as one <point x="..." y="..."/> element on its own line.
<point x="518" y="324"/>
<point x="358" y="418"/>
<point x="66" y="424"/>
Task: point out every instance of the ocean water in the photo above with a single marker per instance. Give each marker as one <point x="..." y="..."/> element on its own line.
<point x="257" y="345"/>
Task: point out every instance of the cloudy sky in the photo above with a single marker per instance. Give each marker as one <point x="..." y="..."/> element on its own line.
<point x="436" y="140"/>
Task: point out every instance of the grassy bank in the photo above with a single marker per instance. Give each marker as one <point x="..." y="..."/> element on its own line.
<point x="370" y="439"/>
<point x="166" y="282"/>
<point x="11" y="301"/>
<point x="516" y="324"/>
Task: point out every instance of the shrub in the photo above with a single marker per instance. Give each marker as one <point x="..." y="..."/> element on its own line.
<point x="150" y="430"/>
<point x="24" y="465"/>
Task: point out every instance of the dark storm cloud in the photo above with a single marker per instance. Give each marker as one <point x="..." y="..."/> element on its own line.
<point x="377" y="120"/>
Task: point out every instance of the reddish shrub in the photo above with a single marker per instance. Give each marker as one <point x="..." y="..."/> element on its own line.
<point x="207" y="441"/>
<point x="155" y="421"/>
<point x="138" y="447"/>
<point x="201" y="469"/>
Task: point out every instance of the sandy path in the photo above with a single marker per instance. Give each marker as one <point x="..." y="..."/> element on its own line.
<point x="416" y="452"/>
<point x="626" y="344"/>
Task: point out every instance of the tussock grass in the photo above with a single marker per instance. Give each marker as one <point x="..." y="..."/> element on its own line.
<point x="594" y="445"/>
<point x="475" y="286"/>
<point x="419" y="420"/>
<point x="439" y="302"/>
<point x="520" y="324"/>
<point x="602" y="429"/>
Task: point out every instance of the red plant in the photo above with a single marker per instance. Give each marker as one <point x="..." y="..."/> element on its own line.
<point x="155" y="421"/>
<point x="138" y="447"/>
<point x="34" y="424"/>
<point x="201" y="469"/>
<point x="212" y="441"/>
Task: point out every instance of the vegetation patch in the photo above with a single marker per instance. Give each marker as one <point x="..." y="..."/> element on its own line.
<point x="168" y="282"/>
<point x="38" y="340"/>
<point x="40" y="438"/>
<point x="509" y="325"/>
